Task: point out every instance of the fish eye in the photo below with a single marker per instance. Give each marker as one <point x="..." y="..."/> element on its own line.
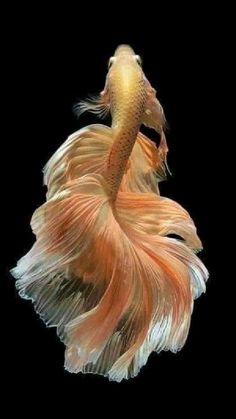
<point x="138" y="59"/>
<point x="111" y="61"/>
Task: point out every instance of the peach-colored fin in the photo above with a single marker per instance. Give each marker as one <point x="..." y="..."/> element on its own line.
<point x="82" y="153"/>
<point x="114" y="286"/>
<point x="154" y="116"/>
<point x="157" y="155"/>
<point x="86" y="151"/>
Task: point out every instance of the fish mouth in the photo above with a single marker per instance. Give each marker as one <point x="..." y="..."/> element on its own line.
<point x="124" y="49"/>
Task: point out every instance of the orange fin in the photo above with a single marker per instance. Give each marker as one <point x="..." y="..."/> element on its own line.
<point x="109" y="279"/>
<point x="82" y="153"/>
<point x="154" y="116"/>
<point x="156" y="157"/>
<point x="86" y="151"/>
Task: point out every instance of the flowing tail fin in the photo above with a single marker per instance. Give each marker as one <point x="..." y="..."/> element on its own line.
<point x="109" y="279"/>
<point x="86" y="150"/>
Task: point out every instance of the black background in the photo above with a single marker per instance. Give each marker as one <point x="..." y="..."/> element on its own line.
<point x="53" y="59"/>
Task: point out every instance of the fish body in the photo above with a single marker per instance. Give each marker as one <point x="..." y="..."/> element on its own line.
<point x="127" y="97"/>
<point x="103" y="269"/>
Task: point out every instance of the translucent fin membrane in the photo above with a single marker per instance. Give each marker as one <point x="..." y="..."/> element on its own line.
<point x="109" y="279"/>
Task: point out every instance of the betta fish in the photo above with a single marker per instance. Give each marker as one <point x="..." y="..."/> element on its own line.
<point x="104" y="269"/>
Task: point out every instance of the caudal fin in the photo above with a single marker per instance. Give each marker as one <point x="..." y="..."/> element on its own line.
<point x="109" y="279"/>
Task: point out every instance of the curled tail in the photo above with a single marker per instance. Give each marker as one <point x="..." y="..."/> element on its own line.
<point x="108" y="278"/>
